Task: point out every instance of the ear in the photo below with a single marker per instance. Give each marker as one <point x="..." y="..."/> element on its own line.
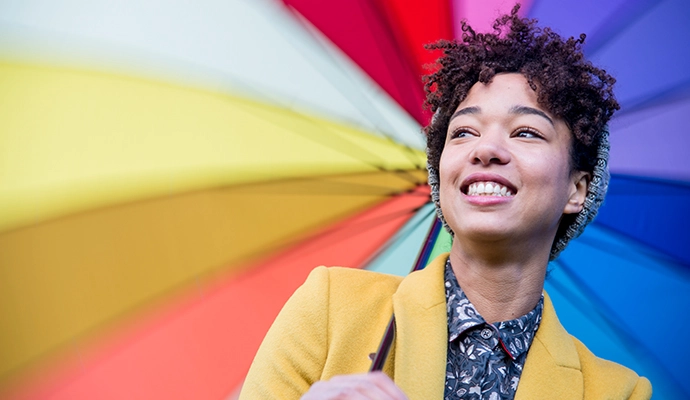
<point x="578" y="192"/>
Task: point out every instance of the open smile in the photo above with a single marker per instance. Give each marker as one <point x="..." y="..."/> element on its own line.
<point x="488" y="189"/>
<point x="487" y="185"/>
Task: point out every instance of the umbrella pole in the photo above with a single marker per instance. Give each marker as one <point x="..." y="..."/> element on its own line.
<point x="379" y="358"/>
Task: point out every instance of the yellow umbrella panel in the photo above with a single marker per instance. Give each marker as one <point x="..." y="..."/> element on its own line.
<point x="115" y="191"/>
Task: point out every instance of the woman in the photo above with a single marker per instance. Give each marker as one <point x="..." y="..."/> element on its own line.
<point x="517" y="153"/>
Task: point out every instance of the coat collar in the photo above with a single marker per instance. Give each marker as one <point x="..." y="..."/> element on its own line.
<point x="552" y="367"/>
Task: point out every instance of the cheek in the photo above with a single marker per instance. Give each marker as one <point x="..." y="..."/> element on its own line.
<point x="552" y="168"/>
<point x="555" y="178"/>
<point x="448" y="163"/>
<point x="444" y="185"/>
<point x="443" y="169"/>
<point x="446" y="177"/>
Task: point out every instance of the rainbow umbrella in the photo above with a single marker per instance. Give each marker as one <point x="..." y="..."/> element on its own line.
<point x="171" y="174"/>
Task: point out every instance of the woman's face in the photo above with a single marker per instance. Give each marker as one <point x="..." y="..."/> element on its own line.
<point x="505" y="171"/>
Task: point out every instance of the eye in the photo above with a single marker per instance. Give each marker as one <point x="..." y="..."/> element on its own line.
<point x="528" y="133"/>
<point x="460" y="133"/>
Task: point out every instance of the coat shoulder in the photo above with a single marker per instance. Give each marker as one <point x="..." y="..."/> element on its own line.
<point x="345" y="293"/>
<point x="607" y="379"/>
<point x="328" y="327"/>
<point x="350" y="282"/>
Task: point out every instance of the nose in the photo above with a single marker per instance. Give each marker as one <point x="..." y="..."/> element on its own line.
<point x="490" y="149"/>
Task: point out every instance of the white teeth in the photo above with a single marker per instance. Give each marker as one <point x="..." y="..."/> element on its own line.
<point x="488" y="188"/>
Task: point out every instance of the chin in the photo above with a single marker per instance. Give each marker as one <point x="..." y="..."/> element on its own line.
<point x="482" y="233"/>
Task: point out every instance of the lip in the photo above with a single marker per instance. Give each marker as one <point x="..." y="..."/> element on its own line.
<point x="485" y="177"/>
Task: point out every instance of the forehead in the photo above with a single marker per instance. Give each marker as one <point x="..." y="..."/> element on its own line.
<point x="507" y="96"/>
<point x="507" y="99"/>
<point x="505" y="88"/>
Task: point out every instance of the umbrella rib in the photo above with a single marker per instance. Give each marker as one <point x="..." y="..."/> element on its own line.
<point x="375" y="189"/>
<point x="598" y="305"/>
<point x="680" y="266"/>
<point x="336" y="142"/>
<point x="365" y="106"/>
<point x="617" y="22"/>
<point x="679" y="91"/>
<point x="608" y="317"/>
<point x="363" y="226"/>
<point x="350" y="230"/>
<point x="628" y="185"/>
<point x="407" y="175"/>
<point x="408" y="61"/>
<point x="246" y="188"/>
<point x="399" y="236"/>
<point x="649" y="179"/>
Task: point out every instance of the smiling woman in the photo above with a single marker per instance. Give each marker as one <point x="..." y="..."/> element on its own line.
<point x="563" y="83"/>
<point x="517" y="160"/>
<point x="500" y="138"/>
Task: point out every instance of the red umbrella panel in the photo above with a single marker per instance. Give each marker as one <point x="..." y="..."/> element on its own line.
<point x="200" y="341"/>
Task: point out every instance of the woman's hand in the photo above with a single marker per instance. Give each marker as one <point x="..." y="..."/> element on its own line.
<point x="374" y="385"/>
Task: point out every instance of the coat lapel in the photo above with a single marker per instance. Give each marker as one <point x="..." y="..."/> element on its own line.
<point x="421" y="341"/>
<point x="552" y="368"/>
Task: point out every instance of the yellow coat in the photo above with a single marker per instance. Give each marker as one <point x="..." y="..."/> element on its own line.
<point x="336" y="319"/>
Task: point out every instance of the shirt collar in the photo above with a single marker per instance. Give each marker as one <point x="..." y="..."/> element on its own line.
<point x="516" y="335"/>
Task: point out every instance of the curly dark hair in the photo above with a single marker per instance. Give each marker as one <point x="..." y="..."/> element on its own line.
<point x="567" y="85"/>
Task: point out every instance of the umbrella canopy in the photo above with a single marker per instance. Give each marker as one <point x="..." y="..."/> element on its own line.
<point x="141" y="169"/>
<point x="170" y="174"/>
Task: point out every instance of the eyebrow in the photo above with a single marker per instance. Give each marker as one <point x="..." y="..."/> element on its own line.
<point x="465" y="111"/>
<point x="522" y="110"/>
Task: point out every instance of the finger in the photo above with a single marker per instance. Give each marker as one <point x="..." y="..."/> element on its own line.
<point x="386" y="384"/>
<point x="341" y="389"/>
<point x="363" y="386"/>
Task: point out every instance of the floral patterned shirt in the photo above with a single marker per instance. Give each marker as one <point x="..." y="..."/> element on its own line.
<point x="484" y="360"/>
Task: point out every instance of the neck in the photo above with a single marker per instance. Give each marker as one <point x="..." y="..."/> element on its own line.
<point x="500" y="288"/>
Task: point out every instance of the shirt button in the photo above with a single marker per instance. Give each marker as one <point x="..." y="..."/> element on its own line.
<point x="486" y="333"/>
